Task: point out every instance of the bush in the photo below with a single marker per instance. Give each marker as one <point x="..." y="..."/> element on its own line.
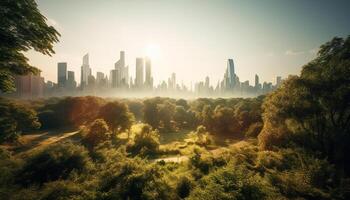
<point x="146" y="142"/>
<point x="184" y="187"/>
<point x="254" y="130"/>
<point x="134" y="179"/>
<point x="232" y="183"/>
<point x="53" y="163"/>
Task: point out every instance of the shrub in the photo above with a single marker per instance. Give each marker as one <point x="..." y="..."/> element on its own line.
<point x="146" y="142"/>
<point x="53" y="163"/>
<point x="254" y="130"/>
<point x="184" y="187"/>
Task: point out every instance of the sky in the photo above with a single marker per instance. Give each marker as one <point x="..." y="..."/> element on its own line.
<point x="192" y="38"/>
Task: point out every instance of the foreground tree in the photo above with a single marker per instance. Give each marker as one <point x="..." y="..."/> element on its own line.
<point x="313" y="109"/>
<point x="22" y="28"/>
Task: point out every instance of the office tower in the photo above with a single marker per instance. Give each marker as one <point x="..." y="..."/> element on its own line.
<point x="85" y="71"/>
<point x="231" y="73"/>
<point x="61" y="74"/>
<point x="278" y="81"/>
<point x="122" y="71"/>
<point x="139" y="72"/>
<point x="113" y="78"/>
<point x="71" y="83"/>
<point x="207" y="82"/>
<point x="99" y="77"/>
<point x="256" y="81"/>
<point x="149" y="79"/>
<point x="173" y="81"/>
<point x="29" y="86"/>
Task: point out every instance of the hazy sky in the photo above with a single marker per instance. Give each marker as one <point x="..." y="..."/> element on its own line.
<point x="192" y="38"/>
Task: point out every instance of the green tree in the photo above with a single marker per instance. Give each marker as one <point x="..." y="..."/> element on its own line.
<point x="98" y="132"/>
<point x="117" y="116"/>
<point x="14" y="119"/>
<point x="23" y="27"/>
<point x="146" y="142"/>
<point x="225" y="123"/>
<point x="166" y="113"/>
<point x="313" y="109"/>
<point x="151" y="112"/>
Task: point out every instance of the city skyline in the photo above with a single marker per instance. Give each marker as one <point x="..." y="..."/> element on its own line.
<point x="271" y="38"/>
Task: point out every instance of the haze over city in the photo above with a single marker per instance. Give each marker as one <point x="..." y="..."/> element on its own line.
<point x="193" y="39"/>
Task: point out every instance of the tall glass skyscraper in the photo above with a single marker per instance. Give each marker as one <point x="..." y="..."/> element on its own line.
<point x="85" y="71"/>
<point x="139" y="72"/>
<point x="231" y="73"/>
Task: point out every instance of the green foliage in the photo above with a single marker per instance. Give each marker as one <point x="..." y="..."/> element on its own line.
<point x="136" y="108"/>
<point x="117" y="116"/>
<point x="134" y="179"/>
<point x="232" y="183"/>
<point x="69" y="111"/>
<point x="15" y="118"/>
<point x="184" y="187"/>
<point x="97" y="133"/>
<point x="313" y="110"/>
<point x="53" y="163"/>
<point x="23" y="27"/>
<point x="254" y="130"/>
<point x="145" y="143"/>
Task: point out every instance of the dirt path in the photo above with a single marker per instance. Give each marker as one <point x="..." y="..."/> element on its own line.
<point x="32" y="142"/>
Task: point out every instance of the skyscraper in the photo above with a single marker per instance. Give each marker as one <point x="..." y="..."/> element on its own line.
<point x="99" y="77"/>
<point x="256" y="81"/>
<point x="231" y="73"/>
<point x="149" y="79"/>
<point x="61" y="74"/>
<point x="139" y="72"/>
<point x="122" y="71"/>
<point x="173" y="80"/>
<point x="85" y="71"/>
<point x="71" y="83"/>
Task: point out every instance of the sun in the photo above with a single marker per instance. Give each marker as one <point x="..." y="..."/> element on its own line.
<point x="153" y="51"/>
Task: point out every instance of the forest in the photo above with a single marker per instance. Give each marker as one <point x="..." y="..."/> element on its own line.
<point x="290" y="144"/>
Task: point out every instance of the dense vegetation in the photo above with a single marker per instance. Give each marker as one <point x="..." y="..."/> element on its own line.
<point x="291" y="144"/>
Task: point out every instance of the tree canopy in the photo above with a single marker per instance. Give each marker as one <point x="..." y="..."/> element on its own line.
<point x="313" y="109"/>
<point x="22" y="28"/>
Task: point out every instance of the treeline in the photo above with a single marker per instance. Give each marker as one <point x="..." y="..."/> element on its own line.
<point x="225" y="117"/>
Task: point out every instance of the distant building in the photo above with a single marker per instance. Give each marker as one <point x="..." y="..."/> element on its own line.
<point x="71" y="83"/>
<point x="148" y="72"/>
<point x="61" y="74"/>
<point x="256" y="81"/>
<point x="29" y="86"/>
<point x="85" y="71"/>
<point x="231" y="74"/>
<point x="122" y="71"/>
<point x="278" y="81"/>
<point x="139" y="72"/>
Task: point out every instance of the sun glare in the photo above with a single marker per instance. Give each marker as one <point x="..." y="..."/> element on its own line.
<point x="153" y="51"/>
